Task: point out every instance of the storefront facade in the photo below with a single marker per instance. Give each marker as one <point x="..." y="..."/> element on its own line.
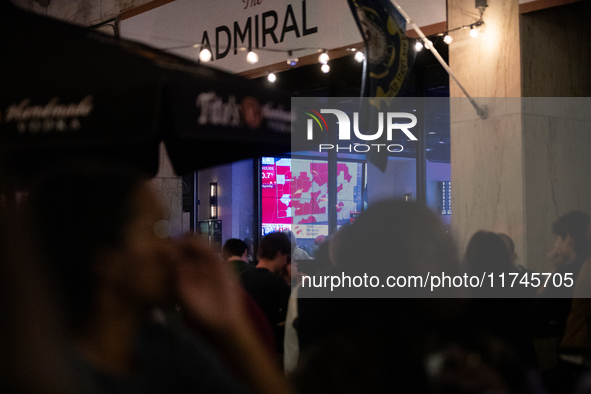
<point x="514" y="172"/>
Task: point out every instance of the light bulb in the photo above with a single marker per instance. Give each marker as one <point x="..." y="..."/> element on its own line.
<point x="473" y="32"/>
<point x="323" y="58"/>
<point x="252" y="57"/>
<point x="271" y="77"/>
<point x="325" y="68"/>
<point x="359" y="56"/>
<point x="448" y="39"/>
<point x="205" y="55"/>
<point x="428" y="44"/>
<point x="418" y="46"/>
<point x="292" y="61"/>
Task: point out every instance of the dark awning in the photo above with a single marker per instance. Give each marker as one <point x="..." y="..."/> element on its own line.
<point x="69" y="91"/>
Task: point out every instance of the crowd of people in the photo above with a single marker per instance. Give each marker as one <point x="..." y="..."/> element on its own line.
<point x="98" y="298"/>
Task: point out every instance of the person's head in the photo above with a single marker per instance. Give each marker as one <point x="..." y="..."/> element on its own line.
<point x="292" y="239"/>
<point x="235" y="248"/>
<point x="510" y="246"/>
<point x="394" y="235"/>
<point x="487" y="252"/>
<point x="101" y="229"/>
<point x="319" y="239"/>
<point x="571" y="235"/>
<point x="396" y="238"/>
<point x="274" y="251"/>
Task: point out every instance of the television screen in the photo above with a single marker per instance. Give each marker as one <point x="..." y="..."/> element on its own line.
<point x="295" y="195"/>
<point x="276" y="194"/>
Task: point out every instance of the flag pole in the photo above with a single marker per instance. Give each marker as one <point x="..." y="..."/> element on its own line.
<point x="481" y="111"/>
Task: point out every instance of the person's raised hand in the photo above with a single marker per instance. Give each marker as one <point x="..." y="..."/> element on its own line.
<point x="207" y="288"/>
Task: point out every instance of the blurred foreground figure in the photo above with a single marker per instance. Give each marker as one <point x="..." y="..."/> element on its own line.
<point x="30" y="360"/>
<point x="571" y="248"/>
<point x="104" y="234"/>
<point x="503" y="313"/>
<point x="376" y="345"/>
<point x="405" y="344"/>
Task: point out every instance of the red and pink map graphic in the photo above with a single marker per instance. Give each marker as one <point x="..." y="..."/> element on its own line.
<point x="296" y="191"/>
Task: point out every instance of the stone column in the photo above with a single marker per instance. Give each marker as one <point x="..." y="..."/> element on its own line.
<point x="529" y="161"/>
<point x="556" y="59"/>
<point x="486" y="155"/>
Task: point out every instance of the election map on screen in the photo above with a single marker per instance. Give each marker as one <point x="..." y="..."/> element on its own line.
<point x="295" y="195"/>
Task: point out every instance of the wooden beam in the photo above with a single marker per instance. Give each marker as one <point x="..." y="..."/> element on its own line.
<point x="335" y="53"/>
<point x="542" y="4"/>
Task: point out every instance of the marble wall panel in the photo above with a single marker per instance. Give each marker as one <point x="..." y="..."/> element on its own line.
<point x="557" y="168"/>
<point x="556" y="57"/>
<point x="486" y="155"/>
<point x="165" y="169"/>
<point x="556" y="51"/>
<point x="171" y="195"/>
<point x="109" y="8"/>
<point x="82" y="12"/>
<point x="489" y="65"/>
<point x="112" y="8"/>
<point x="31" y="6"/>
<point x="487" y="179"/>
<point x="463" y="110"/>
<point x="170" y="187"/>
<point x="562" y="107"/>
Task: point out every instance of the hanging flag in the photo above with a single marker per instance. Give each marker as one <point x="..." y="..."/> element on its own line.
<point x="389" y="53"/>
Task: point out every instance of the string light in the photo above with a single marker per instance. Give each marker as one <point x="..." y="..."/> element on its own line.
<point x="477" y="28"/>
<point x="252" y="57"/>
<point x="205" y="55"/>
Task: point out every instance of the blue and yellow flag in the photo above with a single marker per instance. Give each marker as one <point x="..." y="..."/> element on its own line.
<point x="389" y="53"/>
